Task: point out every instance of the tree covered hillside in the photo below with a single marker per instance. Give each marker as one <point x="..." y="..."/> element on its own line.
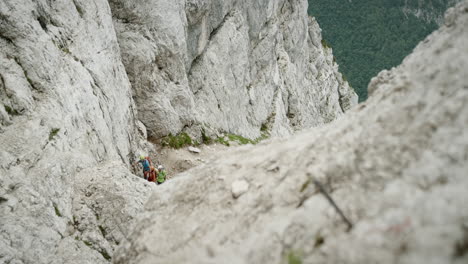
<point x="368" y="36"/>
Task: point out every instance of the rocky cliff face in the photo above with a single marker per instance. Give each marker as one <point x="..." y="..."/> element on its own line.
<point x="428" y="10"/>
<point x="396" y="165"/>
<point x="228" y="66"/>
<point x="68" y="119"/>
<point x="65" y="105"/>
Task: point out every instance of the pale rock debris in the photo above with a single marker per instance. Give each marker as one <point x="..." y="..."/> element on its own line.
<point x="194" y="150"/>
<point x="238" y="188"/>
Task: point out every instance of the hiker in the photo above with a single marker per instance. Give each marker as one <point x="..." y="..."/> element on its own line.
<point x="146" y="163"/>
<point x="161" y="178"/>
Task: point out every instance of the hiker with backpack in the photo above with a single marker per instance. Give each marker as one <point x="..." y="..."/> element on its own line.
<point x="161" y="178"/>
<point x="147" y="164"/>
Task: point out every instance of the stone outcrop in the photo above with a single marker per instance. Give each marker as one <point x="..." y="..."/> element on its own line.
<point x="396" y="165"/>
<point x="228" y="66"/>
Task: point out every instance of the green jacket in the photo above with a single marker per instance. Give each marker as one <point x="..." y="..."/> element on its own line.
<point x="162" y="176"/>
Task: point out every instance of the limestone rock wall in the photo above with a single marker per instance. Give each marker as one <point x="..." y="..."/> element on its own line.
<point x="65" y="105"/>
<point x="396" y="165"/>
<point x="228" y="66"/>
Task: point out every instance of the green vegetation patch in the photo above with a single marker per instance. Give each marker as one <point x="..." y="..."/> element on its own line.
<point x="53" y="133"/>
<point x="240" y="139"/>
<point x="221" y="140"/>
<point x="294" y="258"/>
<point x="264" y="136"/>
<point x="183" y="139"/>
<point x="177" y="141"/>
<point x="57" y="211"/>
<point x="206" y="139"/>
<point x="10" y="110"/>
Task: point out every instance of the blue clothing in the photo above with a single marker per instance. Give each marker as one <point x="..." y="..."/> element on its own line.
<point x="146" y="165"/>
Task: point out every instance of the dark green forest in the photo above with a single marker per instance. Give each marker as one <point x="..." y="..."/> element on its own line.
<point x="368" y="36"/>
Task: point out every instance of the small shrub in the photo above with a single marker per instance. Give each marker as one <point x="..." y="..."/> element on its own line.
<point x="53" y="133"/>
<point x="325" y="44"/>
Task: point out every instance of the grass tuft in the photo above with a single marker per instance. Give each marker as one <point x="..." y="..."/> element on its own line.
<point x="325" y="44"/>
<point x="53" y="133"/>
<point x="241" y="140"/>
<point x="57" y="211"/>
<point x="293" y="258"/>
<point x="221" y="140"/>
<point x="305" y="185"/>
